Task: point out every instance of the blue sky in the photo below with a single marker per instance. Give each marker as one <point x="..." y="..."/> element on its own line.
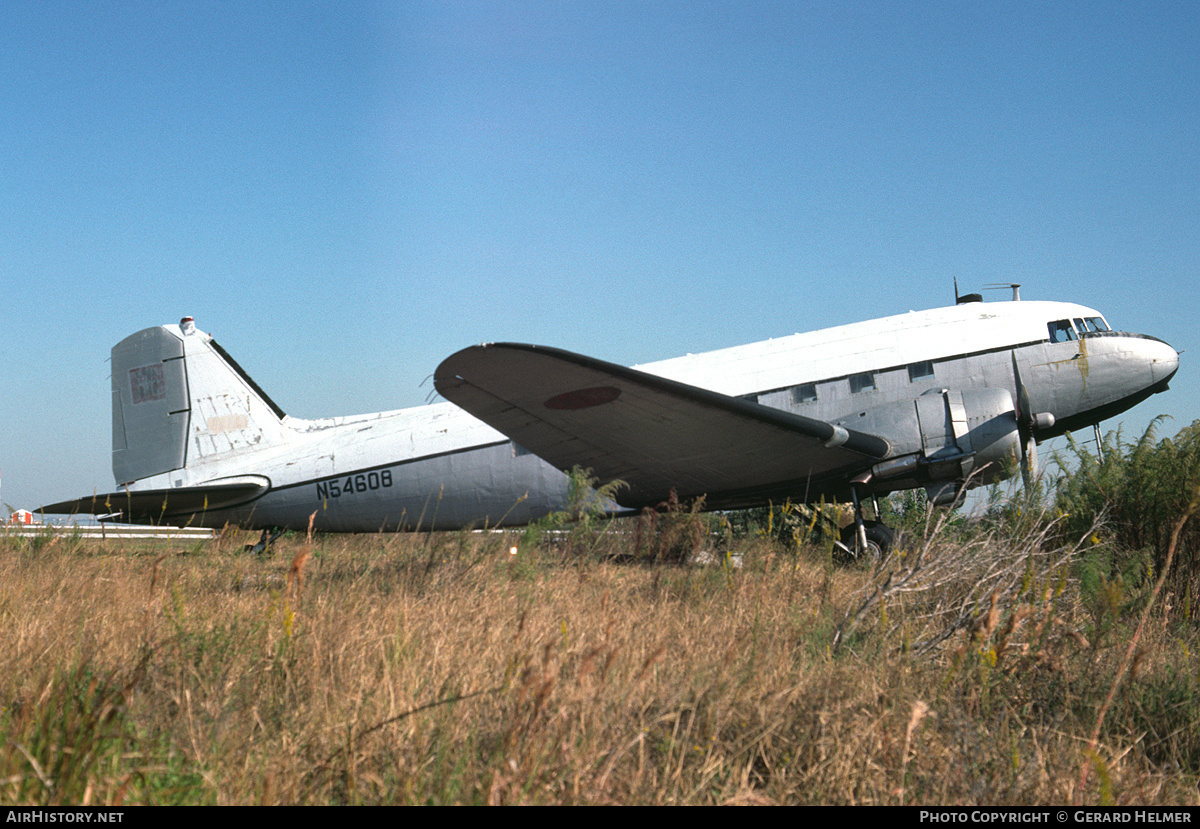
<point x="344" y="194"/>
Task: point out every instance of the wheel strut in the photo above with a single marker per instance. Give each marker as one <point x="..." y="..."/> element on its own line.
<point x="860" y="529"/>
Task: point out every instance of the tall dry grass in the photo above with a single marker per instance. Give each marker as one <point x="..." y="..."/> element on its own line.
<point x="446" y="669"/>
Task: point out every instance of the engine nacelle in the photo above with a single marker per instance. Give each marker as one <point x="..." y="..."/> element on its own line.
<point x="943" y="440"/>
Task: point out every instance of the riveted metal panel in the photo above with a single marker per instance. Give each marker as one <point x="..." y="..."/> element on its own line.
<point x="150" y="405"/>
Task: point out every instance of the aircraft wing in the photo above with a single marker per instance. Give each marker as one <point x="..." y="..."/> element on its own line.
<point x="655" y="434"/>
<point x="158" y="505"/>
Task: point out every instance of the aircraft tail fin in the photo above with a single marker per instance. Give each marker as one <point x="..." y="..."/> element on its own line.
<point x="180" y="401"/>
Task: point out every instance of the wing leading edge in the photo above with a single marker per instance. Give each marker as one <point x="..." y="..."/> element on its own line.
<point x="655" y="434"/>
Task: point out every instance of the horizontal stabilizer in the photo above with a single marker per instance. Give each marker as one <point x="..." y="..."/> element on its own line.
<point x="160" y="505"/>
<point x="653" y="433"/>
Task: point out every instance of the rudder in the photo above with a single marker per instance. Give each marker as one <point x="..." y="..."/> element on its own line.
<point x="150" y="405"/>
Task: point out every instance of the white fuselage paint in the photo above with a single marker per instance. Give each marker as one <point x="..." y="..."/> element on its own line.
<point x="447" y="469"/>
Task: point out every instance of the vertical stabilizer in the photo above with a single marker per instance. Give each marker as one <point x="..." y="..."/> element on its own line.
<point x="179" y="401"/>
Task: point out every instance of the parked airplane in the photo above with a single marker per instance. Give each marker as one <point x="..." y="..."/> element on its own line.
<point x="942" y="399"/>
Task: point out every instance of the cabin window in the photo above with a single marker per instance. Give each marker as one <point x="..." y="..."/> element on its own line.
<point x="862" y="382"/>
<point x="919" y="371"/>
<point x="804" y="393"/>
<point x="1061" y="331"/>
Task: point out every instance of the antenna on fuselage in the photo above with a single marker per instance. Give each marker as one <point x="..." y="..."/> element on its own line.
<point x="959" y="299"/>
<point x="1016" y="288"/>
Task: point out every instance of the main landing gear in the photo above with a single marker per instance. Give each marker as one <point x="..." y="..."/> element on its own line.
<point x="879" y="539"/>
<point x="870" y="540"/>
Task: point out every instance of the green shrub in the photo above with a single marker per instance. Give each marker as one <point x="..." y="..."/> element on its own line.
<point x="1141" y="490"/>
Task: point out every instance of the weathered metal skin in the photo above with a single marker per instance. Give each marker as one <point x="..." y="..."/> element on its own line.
<point x="185" y="416"/>
<point x="927" y="399"/>
<point x="943" y="436"/>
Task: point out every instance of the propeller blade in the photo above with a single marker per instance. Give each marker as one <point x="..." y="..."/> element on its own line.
<point x="1024" y="427"/>
<point x="1024" y="413"/>
<point x="1029" y="462"/>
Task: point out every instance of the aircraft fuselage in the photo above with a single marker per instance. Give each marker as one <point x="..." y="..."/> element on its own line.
<point x="436" y="466"/>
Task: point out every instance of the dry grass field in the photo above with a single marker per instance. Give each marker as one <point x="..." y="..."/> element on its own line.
<point x="443" y="669"/>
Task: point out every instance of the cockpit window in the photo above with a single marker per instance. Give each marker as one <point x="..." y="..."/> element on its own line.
<point x="1061" y="331"/>
<point x="1090" y="325"/>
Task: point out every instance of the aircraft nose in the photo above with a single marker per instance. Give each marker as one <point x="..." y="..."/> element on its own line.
<point x="1164" y="361"/>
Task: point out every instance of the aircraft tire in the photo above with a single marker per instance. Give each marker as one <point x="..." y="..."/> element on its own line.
<point x="880" y="538"/>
